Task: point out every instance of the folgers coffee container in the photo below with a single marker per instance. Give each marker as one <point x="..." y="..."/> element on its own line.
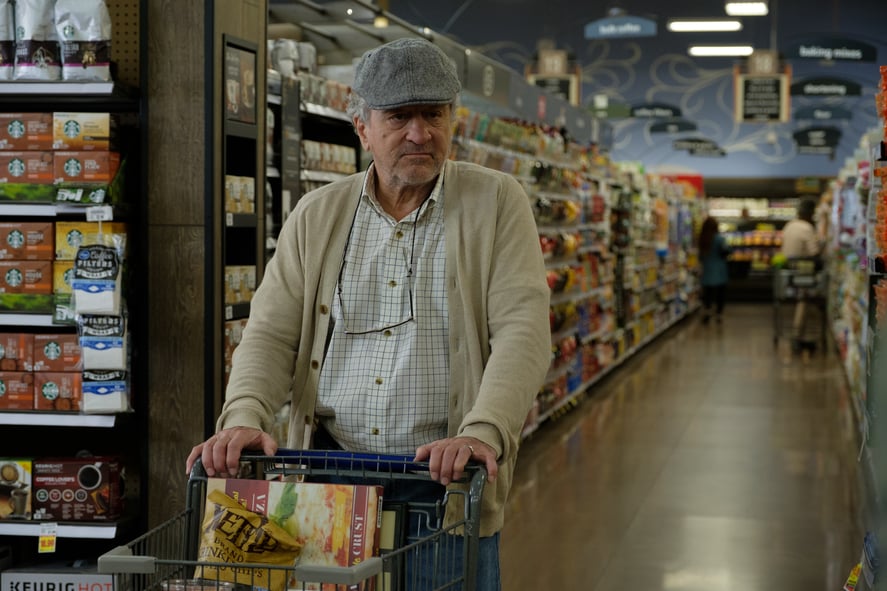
<point x="77" y="489"/>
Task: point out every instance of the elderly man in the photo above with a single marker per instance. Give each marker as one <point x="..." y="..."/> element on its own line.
<point x="406" y="309"/>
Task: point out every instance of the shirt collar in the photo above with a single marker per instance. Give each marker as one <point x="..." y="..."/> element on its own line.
<point x="367" y="191"/>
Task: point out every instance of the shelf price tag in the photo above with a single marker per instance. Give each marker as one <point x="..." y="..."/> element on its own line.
<point x="229" y="219"/>
<point x="101" y="213"/>
<point x="47" y="539"/>
<point x="229" y="312"/>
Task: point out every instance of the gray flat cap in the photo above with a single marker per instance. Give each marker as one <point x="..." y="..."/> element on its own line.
<point x="408" y="71"/>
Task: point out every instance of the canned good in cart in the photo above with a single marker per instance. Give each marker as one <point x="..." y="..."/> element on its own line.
<point x="310" y="521"/>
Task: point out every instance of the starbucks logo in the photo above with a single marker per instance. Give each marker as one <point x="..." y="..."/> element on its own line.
<point x="74" y="238"/>
<point x="15" y="128"/>
<point x="52" y="350"/>
<point x="50" y="391"/>
<point x="2" y="388"/>
<point x="68" y="31"/>
<point x="16" y="167"/>
<point x="13" y="277"/>
<point x="73" y="167"/>
<point x="71" y="129"/>
<point x="2" y="351"/>
<point x="68" y="277"/>
<point x="16" y="239"/>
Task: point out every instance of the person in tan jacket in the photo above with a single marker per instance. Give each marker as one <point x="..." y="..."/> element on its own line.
<point x="405" y="310"/>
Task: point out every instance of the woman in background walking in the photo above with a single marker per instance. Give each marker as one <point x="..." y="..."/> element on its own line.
<point x="713" y="251"/>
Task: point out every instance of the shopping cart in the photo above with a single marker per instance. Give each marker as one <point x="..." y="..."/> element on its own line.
<point x="429" y="558"/>
<point x="800" y="292"/>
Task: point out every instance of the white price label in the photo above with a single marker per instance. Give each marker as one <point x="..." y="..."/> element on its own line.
<point x="229" y="313"/>
<point x="229" y="219"/>
<point x="101" y="213"/>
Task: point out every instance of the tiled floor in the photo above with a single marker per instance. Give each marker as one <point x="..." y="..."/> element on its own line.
<point x="711" y="461"/>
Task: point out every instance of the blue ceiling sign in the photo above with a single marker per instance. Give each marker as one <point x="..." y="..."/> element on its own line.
<point x="817" y="140"/>
<point x="655" y="111"/>
<point x="833" y="49"/>
<point x="826" y="87"/>
<point x="620" y="27"/>
<point x="699" y="147"/>
<point x="824" y="113"/>
<point x="674" y="125"/>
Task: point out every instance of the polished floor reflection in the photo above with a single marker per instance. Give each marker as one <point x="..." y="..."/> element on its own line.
<point x="711" y="461"/>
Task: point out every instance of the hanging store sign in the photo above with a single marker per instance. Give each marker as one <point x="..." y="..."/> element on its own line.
<point x="699" y="147"/>
<point x="817" y="140"/>
<point x="826" y="87"/>
<point x="487" y="79"/>
<point x="761" y="98"/>
<point x="565" y="86"/>
<point x="833" y="49"/>
<point x="826" y="113"/>
<point x="620" y="27"/>
<point x="655" y="111"/>
<point x="675" y="125"/>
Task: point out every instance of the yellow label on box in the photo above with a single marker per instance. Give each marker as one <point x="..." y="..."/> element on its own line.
<point x="70" y="235"/>
<point x="62" y="273"/>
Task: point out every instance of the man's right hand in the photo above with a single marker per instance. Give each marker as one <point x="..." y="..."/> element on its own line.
<point x="220" y="453"/>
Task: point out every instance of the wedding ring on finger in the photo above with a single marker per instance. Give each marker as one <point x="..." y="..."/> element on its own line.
<point x="470" y="448"/>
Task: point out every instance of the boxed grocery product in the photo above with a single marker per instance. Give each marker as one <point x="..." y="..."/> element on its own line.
<point x="15" y="488"/>
<point x="77" y="489"/>
<point x="57" y="352"/>
<point x="336" y="524"/>
<point x="62" y="274"/>
<point x="96" y="166"/>
<point x="26" y="277"/>
<point x="55" y="577"/>
<point x="240" y="283"/>
<point x="105" y="391"/>
<point x="103" y="341"/>
<point x="26" y="131"/>
<point x="233" y="335"/>
<point x="57" y="391"/>
<point x="16" y="390"/>
<point x="69" y="236"/>
<point x="26" y="167"/>
<point x="20" y="241"/>
<point x="16" y="351"/>
<point x="83" y="131"/>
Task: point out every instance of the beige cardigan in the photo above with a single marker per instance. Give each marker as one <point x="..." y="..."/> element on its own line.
<point x="500" y="345"/>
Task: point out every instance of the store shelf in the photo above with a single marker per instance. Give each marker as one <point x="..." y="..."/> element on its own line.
<point x="103" y="531"/>
<point x="237" y="311"/>
<point x="322" y="176"/>
<point x="241" y="220"/>
<point x="325" y="112"/>
<point x="12" y="319"/>
<point x="15" y="208"/>
<point x="56" y="419"/>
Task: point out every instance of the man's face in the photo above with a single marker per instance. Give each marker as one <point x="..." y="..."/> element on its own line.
<point x="409" y="145"/>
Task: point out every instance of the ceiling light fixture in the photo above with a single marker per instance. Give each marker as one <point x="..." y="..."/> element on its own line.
<point x="746" y="8"/>
<point x="380" y="21"/>
<point x="721" y="51"/>
<point x="703" y="25"/>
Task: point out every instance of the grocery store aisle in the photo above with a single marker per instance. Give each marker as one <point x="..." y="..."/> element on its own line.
<point x="708" y="462"/>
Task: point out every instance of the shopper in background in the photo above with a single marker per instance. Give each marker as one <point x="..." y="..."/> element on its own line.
<point x="713" y="253"/>
<point x="800" y="241"/>
<point x="406" y="309"/>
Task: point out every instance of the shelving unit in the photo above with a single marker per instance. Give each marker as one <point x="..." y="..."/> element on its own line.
<point x="312" y="145"/>
<point x="26" y="432"/>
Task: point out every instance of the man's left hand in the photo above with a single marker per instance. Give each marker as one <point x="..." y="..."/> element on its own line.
<point x="447" y="457"/>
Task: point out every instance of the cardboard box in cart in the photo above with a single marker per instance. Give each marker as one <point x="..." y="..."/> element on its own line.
<point x="336" y="524"/>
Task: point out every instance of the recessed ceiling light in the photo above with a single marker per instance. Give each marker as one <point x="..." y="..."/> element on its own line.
<point x="701" y="25"/>
<point x="746" y="8"/>
<point x="721" y="51"/>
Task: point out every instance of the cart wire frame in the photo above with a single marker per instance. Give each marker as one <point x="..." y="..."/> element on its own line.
<point x="800" y="281"/>
<point x="165" y="557"/>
